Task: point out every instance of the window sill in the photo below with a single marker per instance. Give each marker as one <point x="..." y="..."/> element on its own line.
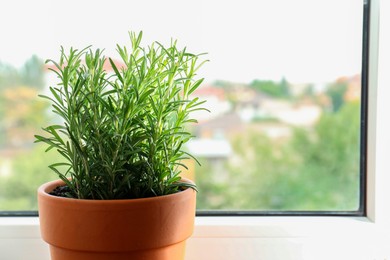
<point x="230" y="238"/>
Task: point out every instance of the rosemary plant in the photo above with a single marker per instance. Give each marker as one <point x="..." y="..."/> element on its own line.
<point x="122" y="134"/>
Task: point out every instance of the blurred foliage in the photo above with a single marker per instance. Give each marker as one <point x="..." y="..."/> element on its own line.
<point x="272" y="88"/>
<point x="23" y="167"/>
<point x="30" y="74"/>
<point x="29" y="170"/>
<point x="330" y="158"/>
<point x="316" y="169"/>
<point x="336" y="92"/>
<point x="21" y="113"/>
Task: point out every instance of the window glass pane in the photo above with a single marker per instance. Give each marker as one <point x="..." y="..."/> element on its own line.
<point x="283" y="86"/>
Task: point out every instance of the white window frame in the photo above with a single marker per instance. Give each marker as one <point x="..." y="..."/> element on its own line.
<point x="275" y="238"/>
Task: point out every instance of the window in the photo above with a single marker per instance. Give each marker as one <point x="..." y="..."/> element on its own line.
<point x="283" y="85"/>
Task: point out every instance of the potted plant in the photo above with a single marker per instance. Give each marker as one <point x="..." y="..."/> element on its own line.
<point x="119" y="193"/>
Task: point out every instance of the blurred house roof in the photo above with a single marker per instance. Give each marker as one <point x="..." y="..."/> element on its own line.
<point x="220" y="126"/>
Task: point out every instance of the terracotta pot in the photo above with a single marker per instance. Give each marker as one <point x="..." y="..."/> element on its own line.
<point x="150" y="229"/>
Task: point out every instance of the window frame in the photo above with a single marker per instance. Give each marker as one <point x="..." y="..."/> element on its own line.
<point x="370" y="232"/>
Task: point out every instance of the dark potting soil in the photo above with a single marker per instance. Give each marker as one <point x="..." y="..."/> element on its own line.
<point x="65" y="191"/>
<point x="61" y="191"/>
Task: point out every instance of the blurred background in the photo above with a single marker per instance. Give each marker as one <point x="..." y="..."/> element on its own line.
<point x="283" y="86"/>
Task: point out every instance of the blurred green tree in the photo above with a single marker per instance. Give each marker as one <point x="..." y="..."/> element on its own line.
<point x="21" y="113"/>
<point x="29" y="170"/>
<point x="22" y="167"/>
<point x="274" y="89"/>
<point x="31" y="73"/>
<point x="315" y="169"/>
<point x="336" y="92"/>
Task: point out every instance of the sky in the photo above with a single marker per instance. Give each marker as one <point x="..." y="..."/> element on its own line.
<point x="301" y="40"/>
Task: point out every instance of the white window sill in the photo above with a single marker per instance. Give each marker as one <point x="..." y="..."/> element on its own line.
<point x="246" y="238"/>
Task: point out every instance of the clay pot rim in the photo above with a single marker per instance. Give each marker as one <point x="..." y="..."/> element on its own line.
<point x="45" y="188"/>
